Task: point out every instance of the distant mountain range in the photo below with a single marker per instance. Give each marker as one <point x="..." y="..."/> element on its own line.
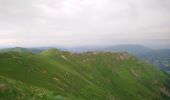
<point x="159" y="58"/>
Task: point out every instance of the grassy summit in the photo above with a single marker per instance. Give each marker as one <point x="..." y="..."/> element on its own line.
<point x="83" y="76"/>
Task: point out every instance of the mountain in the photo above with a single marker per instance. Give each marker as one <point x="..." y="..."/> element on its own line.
<point x="58" y="75"/>
<point x="130" y="48"/>
<point x="137" y="50"/>
<point x="19" y="49"/>
<point x="160" y="58"/>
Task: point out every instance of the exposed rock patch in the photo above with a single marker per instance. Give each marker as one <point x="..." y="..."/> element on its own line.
<point x="3" y="87"/>
<point x="122" y="56"/>
<point x="134" y="72"/>
<point x="165" y="91"/>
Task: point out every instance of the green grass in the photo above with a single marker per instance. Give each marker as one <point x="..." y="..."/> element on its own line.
<point x="92" y="75"/>
<point x="11" y="89"/>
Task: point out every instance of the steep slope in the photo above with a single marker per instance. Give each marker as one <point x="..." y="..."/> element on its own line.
<point x="11" y="89"/>
<point x="91" y="75"/>
<point x="160" y="58"/>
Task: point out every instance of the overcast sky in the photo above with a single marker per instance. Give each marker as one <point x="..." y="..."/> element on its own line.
<point x="84" y="22"/>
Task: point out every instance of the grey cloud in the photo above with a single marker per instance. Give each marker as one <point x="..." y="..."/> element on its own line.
<point x="108" y="21"/>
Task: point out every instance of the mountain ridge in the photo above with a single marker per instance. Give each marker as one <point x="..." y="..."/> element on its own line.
<point x="90" y="75"/>
<point x="160" y="58"/>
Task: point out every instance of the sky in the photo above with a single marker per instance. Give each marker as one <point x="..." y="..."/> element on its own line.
<point x="84" y="22"/>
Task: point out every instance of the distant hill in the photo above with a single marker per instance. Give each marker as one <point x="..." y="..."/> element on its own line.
<point x="133" y="49"/>
<point x="58" y="75"/>
<point x="19" y="49"/>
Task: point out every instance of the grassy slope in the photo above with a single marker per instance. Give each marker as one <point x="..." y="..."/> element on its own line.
<point x="93" y="76"/>
<point x="11" y="89"/>
<point x="21" y="50"/>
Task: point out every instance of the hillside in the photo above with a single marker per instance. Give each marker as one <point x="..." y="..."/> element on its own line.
<point x="81" y="76"/>
<point x="160" y="58"/>
<point x="11" y="89"/>
<point x="21" y="50"/>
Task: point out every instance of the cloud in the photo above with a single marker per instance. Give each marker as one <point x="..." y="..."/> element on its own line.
<point x="84" y="22"/>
